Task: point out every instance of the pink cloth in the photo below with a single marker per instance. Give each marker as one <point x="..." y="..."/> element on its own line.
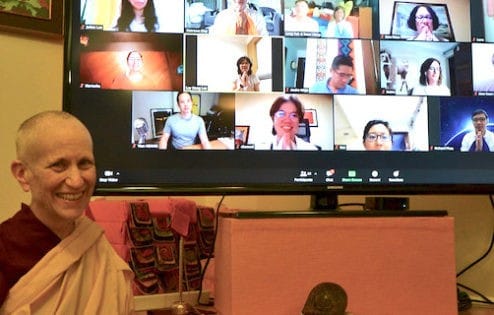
<point x="183" y="212"/>
<point x="187" y="207"/>
<point x="157" y="206"/>
<point x="108" y="210"/>
<point x="394" y="265"/>
<point x="112" y="216"/>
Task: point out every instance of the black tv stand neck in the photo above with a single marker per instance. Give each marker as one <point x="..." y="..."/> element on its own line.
<point x="324" y="201"/>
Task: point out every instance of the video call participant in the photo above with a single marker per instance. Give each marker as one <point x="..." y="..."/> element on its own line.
<point x="487" y="85"/>
<point x="134" y="76"/>
<point x="137" y="16"/>
<point x="480" y="139"/>
<point x="377" y="136"/>
<point x="299" y="21"/>
<point x="239" y="19"/>
<point x="55" y="260"/>
<point x="341" y="74"/>
<point x="287" y="112"/>
<point x="246" y="80"/>
<point x="424" y="21"/>
<point x="339" y="27"/>
<point x="431" y="79"/>
<point x="184" y="127"/>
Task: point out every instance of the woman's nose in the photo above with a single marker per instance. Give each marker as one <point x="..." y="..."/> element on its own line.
<point x="74" y="177"/>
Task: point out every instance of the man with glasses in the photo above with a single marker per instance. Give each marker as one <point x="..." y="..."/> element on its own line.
<point x="480" y="139"/>
<point x="341" y="75"/>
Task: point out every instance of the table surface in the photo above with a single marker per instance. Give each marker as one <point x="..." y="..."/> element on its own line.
<point x="215" y="145"/>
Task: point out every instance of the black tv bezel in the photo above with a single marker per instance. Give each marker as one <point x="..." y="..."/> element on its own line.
<point x="150" y="189"/>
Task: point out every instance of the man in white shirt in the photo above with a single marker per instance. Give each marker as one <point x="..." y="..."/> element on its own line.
<point x="480" y="139"/>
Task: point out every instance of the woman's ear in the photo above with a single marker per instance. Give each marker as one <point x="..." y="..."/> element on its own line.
<point x="20" y="172"/>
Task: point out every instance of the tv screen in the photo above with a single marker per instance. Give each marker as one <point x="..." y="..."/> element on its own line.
<point x="181" y="100"/>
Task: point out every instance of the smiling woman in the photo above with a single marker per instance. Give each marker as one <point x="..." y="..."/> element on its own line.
<point x="137" y="16"/>
<point x="246" y="80"/>
<point x="287" y="112"/>
<point x="431" y="79"/>
<point x="55" y="163"/>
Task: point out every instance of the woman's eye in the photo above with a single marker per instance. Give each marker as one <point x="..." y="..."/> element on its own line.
<point x="58" y="166"/>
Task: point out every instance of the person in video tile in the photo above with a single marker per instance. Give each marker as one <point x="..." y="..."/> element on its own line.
<point x="339" y="27"/>
<point x="184" y="127"/>
<point x="431" y="79"/>
<point x="246" y="80"/>
<point x="480" y="139"/>
<point x="133" y="77"/>
<point x="341" y="74"/>
<point x="378" y="136"/>
<point x="424" y="21"/>
<point x="137" y="16"/>
<point x="239" y="19"/>
<point x="299" y="21"/>
<point x="287" y="112"/>
<point x="487" y="85"/>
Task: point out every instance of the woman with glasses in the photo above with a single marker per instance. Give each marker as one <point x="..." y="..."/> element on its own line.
<point x="424" y="21"/>
<point x="431" y="79"/>
<point x="378" y="136"/>
<point x="287" y="112"/>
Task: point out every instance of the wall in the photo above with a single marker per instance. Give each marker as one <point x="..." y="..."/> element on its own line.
<point x="31" y="81"/>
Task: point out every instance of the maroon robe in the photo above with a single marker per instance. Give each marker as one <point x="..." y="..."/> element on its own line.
<point x="24" y="240"/>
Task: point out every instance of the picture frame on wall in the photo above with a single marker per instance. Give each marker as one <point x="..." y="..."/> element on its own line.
<point x="241" y="136"/>
<point x="159" y="117"/>
<point x="196" y="104"/>
<point x="41" y="17"/>
<point x="311" y="115"/>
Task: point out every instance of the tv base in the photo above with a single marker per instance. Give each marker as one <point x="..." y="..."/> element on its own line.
<point x="324" y="201"/>
<point x="387" y="203"/>
<point x="327" y="201"/>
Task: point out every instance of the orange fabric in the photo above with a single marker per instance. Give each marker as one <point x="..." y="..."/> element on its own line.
<point x="81" y="275"/>
<point x="226" y="23"/>
<point x="387" y="266"/>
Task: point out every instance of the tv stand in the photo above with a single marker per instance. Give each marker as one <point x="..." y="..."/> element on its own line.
<point x="324" y="201"/>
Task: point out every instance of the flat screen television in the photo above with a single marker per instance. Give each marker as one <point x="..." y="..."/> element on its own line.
<point x="424" y="91"/>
